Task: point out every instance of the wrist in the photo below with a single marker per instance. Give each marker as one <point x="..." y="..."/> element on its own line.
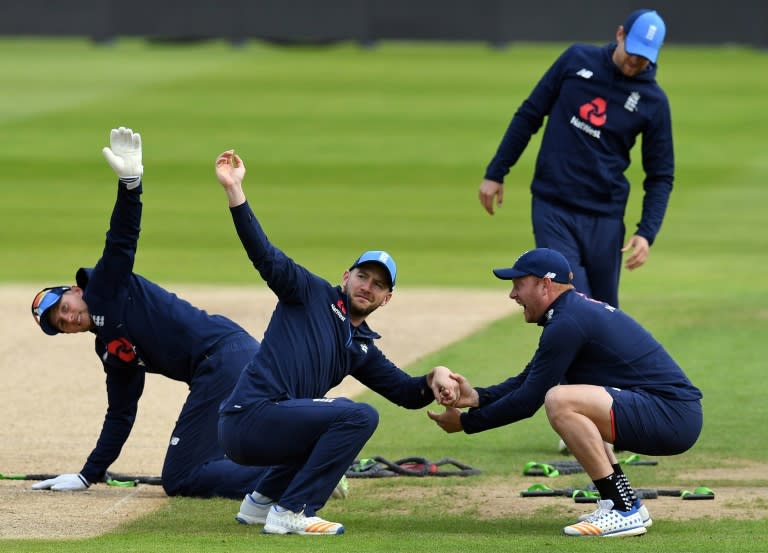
<point x="235" y="196"/>
<point x="130" y="182"/>
<point x="474" y="398"/>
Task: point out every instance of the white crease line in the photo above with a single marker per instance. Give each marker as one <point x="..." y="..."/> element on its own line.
<point x="123" y="500"/>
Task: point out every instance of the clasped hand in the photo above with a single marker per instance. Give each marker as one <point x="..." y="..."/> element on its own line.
<point x="453" y="391"/>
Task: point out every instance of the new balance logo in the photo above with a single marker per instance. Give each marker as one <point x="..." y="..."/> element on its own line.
<point x="98" y="320"/>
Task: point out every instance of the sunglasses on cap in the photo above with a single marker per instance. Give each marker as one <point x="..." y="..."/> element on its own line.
<point x="44" y="300"/>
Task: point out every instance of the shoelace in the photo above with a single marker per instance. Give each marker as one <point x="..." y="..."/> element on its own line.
<point x="603" y="509"/>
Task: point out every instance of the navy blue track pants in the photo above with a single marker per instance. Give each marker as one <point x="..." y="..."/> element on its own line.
<point x="195" y="464"/>
<point x="308" y="445"/>
<point x="591" y="244"/>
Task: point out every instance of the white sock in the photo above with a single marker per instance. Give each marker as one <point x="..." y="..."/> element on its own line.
<point x="261" y="499"/>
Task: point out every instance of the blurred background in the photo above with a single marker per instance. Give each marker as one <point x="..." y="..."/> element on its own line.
<point x="497" y="22"/>
<point x="363" y="123"/>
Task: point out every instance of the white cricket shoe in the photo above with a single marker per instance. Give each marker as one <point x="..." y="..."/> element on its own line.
<point x="252" y="512"/>
<point x="608" y="522"/>
<point x="288" y="522"/>
<point x="642" y="509"/>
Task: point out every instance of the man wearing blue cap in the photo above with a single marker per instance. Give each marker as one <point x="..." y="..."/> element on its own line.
<point x="278" y="415"/>
<point x="597" y="101"/>
<point x="140" y="327"/>
<point x="623" y="388"/>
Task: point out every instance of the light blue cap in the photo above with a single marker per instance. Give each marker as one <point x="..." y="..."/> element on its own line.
<point x="381" y="257"/>
<point x="645" y="31"/>
<point x="43" y="301"/>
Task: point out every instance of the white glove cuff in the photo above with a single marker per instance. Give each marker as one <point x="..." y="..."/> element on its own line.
<point x="131" y="182"/>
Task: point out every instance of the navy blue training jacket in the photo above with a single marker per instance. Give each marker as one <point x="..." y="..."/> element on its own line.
<point x="140" y="327"/>
<point x="309" y="345"/>
<point x="595" y="114"/>
<point x="584" y="341"/>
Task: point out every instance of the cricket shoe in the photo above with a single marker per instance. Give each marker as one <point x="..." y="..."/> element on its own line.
<point x="288" y="522"/>
<point x="607" y="522"/>
<point x="253" y="512"/>
<point x="642" y="509"/>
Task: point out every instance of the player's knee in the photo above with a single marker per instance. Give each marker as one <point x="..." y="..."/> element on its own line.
<point x="171" y="484"/>
<point x="557" y="405"/>
<point x="554" y="401"/>
<point x="362" y="417"/>
<point x="368" y="416"/>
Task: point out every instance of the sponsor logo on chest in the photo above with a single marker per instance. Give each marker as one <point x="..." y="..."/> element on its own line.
<point x="339" y="310"/>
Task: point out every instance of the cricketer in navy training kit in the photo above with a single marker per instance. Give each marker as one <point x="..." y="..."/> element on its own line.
<point x="278" y="415"/>
<point x="623" y="388"/>
<point x="140" y="327"/>
<point x="597" y="101"/>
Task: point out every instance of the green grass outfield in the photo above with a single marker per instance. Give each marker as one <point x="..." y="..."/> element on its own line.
<point x="349" y="149"/>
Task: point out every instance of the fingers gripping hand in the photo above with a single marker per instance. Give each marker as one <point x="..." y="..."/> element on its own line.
<point x="448" y="395"/>
<point x="124" y="154"/>
<point x="466" y="395"/>
<point x="65" y="482"/>
<point x="444" y="387"/>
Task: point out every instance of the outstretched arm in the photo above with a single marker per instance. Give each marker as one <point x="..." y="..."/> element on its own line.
<point x="116" y="263"/>
<point x="289" y="280"/>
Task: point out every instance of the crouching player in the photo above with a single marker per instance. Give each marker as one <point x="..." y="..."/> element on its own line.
<point x="623" y="388"/>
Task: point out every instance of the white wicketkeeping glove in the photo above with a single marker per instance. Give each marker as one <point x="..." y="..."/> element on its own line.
<point x="65" y="482"/>
<point x="124" y="155"/>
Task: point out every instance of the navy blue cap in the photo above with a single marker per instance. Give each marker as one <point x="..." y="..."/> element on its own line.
<point x="44" y="300"/>
<point x="541" y="262"/>
<point x="381" y="257"/>
<point x="645" y="31"/>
